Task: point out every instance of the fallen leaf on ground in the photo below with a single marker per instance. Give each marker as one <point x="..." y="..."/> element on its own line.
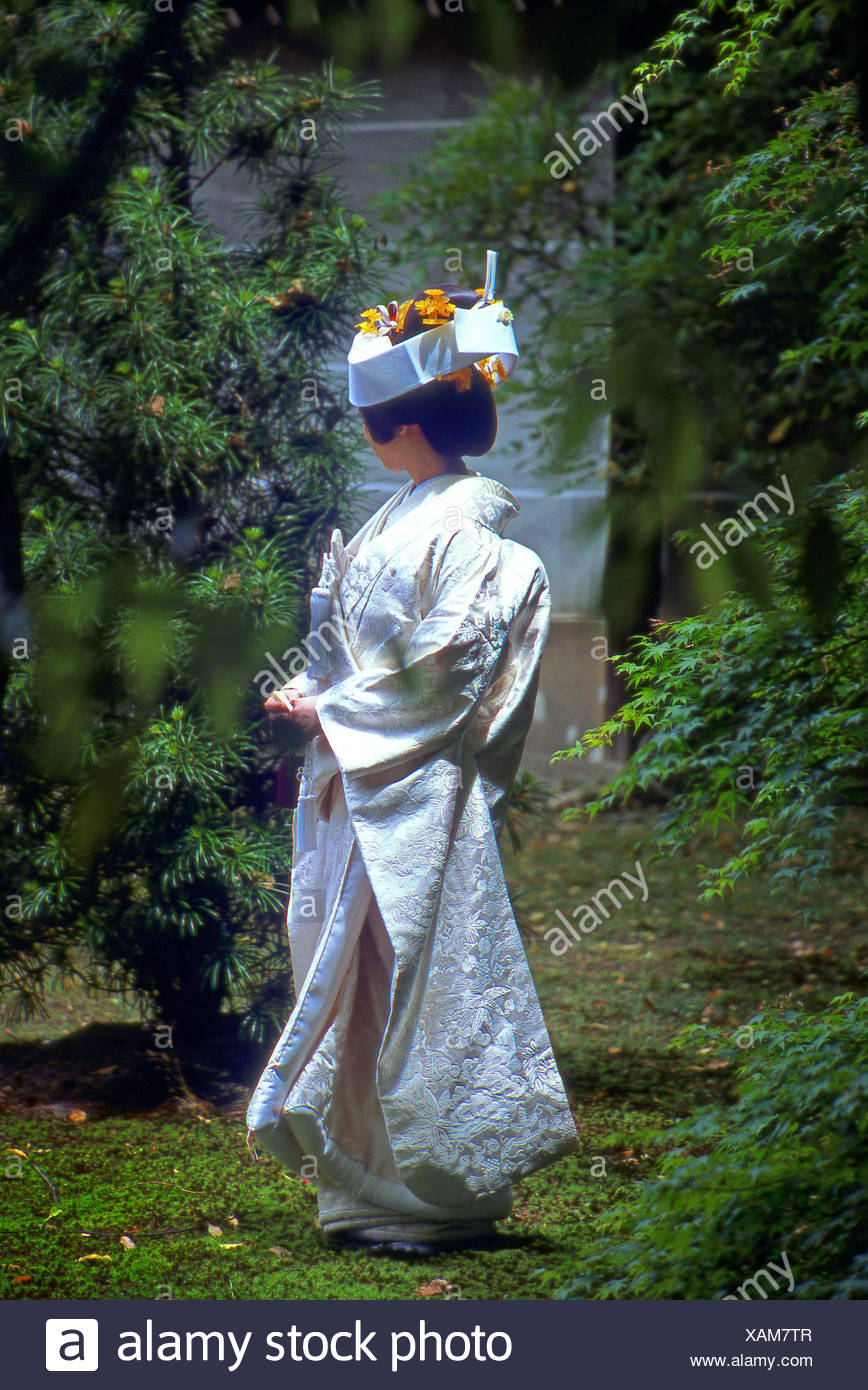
<point x="435" y="1287"/>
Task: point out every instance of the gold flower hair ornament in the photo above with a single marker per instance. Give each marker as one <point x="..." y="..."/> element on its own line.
<point x="455" y="340"/>
<point x="463" y="378"/>
<point x="434" y="308"/>
<point x="491" y="368"/>
<point x="375" y="323"/>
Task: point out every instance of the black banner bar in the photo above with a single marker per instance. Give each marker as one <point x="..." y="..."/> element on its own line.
<point x="161" y="1343"/>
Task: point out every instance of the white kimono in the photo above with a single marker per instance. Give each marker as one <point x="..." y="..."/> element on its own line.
<point x="415" y="1079"/>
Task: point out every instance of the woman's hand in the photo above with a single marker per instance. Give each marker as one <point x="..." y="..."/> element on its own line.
<point x="303" y="715"/>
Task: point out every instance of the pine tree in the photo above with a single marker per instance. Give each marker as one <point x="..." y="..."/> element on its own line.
<point x="179" y="452"/>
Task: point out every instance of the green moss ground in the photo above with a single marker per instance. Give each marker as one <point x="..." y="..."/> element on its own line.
<point x="613" y="1004"/>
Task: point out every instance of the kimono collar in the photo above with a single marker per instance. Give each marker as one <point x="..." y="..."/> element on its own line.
<point x="464" y="495"/>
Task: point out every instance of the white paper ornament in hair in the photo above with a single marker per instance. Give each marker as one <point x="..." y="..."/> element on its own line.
<point x="380" y="370"/>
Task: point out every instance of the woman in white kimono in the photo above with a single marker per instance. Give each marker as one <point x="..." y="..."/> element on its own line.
<point x="414" y="1080"/>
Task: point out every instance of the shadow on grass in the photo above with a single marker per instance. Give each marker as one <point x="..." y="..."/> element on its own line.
<point x="121" y="1069"/>
<point x="774" y="972"/>
<point x="645" y="1079"/>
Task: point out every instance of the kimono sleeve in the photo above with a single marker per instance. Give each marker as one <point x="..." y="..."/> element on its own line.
<point x="303" y="683"/>
<point x="419" y="702"/>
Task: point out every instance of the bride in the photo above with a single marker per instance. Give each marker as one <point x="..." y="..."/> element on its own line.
<point x="415" y="1078"/>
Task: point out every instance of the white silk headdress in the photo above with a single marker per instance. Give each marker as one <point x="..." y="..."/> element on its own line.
<point x="461" y="339"/>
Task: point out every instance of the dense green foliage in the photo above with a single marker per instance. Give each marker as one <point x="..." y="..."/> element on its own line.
<point x="179" y="447"/>
<point x="763" y="704"/>
<point x="776" y="689"/>
<point x="758" y="715"/>
<point x="779" y="1172"/>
